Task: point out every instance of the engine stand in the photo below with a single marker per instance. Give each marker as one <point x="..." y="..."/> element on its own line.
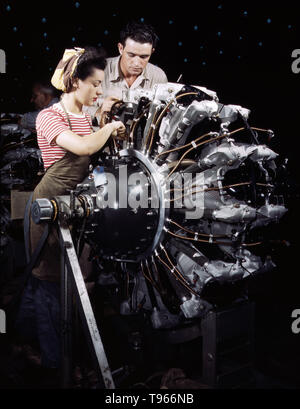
<point x="228" y="346"/>
<point x="73" y="282"/>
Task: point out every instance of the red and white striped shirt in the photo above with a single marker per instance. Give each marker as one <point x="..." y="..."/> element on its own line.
<point x="50" y="123"/>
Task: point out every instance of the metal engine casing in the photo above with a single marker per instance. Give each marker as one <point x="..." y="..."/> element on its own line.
<point x="174" y="246"/>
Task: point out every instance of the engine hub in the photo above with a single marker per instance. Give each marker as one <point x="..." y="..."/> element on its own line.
<point x="130" y="195"/>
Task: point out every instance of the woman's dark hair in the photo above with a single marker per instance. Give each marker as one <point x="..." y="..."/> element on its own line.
<point x="139" y="32"/>
<point x="92" y="58"/>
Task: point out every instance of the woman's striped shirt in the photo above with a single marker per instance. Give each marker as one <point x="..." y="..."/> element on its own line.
<point x="50" y="123"/>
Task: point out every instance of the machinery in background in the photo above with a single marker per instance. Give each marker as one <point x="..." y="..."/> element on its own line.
<point x="21" y="166"/>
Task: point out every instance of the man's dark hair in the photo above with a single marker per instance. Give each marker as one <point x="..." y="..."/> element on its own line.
<point x="139" y="32"/>
<point x="92" y="58"/>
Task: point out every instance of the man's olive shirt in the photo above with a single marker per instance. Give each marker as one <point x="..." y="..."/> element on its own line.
<point x="114" y="82"/>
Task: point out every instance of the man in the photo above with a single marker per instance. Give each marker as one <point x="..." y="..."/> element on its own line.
<point x="131" y="69"/>
<point x="43" y="96"/>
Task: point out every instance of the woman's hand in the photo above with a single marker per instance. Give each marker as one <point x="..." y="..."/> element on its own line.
<point x="119" y="130"/>
<point x="102" y="113"/>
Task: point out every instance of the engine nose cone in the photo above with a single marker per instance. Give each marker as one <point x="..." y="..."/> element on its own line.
<point x="135" y="235"/>
<point x="129" y="224"/>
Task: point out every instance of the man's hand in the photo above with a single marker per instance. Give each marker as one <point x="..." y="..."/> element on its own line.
<point x="108" y="103"/>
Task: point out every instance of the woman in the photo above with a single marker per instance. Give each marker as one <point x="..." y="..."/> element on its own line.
<point x="66" y="139"/>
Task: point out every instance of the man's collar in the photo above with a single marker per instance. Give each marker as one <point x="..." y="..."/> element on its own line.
<point x="145" y="73"/>
<point x="117" y="73"/>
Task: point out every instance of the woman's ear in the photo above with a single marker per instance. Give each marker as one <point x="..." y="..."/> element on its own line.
<point x="75" y="84"/>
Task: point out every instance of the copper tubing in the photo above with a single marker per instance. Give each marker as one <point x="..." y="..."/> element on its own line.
<point x="260" y="129"/>
<point x="182" y="147"/>
<point x="149" y="272"/>
<point x="195" y="140"/>
<point x="163" y="112"/>
<point x="133" y="126"/>
<point x="144" y="274"/>
<point x="150" y="130"/>
<point x="202" y="143"/>
<point x="149" y="278"/>
<point x="186" y="162"/>
<point x="193" y="232"/>
<point x="189" y="150"/>
<point x="157" y="272"/>
<point x="252" y="244"/>
<point x="155" y="284"/>
<point x="208" y="189"/>
<point x="213" y="242"/>
<point x="173" y="266"/>
<point x="216" y="188"/>
<point x="193" y="239"/>
<point x="135" y="122"/>
<point x="180" y="280"/>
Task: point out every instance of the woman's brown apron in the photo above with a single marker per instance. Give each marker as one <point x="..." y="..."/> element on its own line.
<point x="64" y="174"/>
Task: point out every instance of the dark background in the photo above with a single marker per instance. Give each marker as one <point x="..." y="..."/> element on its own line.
<point x="241" y="51"/>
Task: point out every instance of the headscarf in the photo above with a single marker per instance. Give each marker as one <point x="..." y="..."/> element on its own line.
<point x="62" y="77"/>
